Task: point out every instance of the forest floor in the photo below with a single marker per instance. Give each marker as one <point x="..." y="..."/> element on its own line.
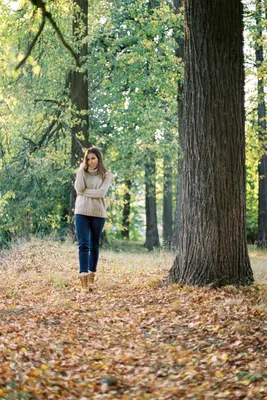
<point x="132" y="337"/>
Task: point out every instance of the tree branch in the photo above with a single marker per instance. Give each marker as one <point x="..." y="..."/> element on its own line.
<point x="47" y="135"/>
<point x="48" y="101"/>
<point x="65" y="44"/>
<point x="47" y="15"/>
<point x="32" y="43"/>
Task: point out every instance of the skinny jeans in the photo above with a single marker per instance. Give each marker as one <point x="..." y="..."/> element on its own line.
<point x="88" y="230"/>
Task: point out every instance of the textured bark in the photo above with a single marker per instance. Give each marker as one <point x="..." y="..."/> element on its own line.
<point x="178" y="204"/>
<point x="79" y="85"/>
<point x="212" y="242"/>
<point x="262" y="168"/>
<point x="167" y="201"/>
<point x="152" y="235"/>
<point x="179" y="52"/>
<point x="126" y="210"/>
<point x="79" y="97"/>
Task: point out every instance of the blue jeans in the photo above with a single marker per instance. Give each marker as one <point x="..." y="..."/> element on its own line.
<point x="88" y="231"/>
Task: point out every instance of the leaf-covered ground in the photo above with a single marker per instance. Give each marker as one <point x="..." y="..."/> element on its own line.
<point x="132" y="338"/>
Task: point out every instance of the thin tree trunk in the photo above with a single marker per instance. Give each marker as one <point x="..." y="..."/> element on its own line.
<point x="262" y="168"/>
<point x="179" y="52"/>
<point x="126" y="210"/>
<point x="152" y="235"/>
<point x="178" y="205"/>
<point x="212" y="242"/>
<point x="79" y="97"/>
<point x="167" y="201"/>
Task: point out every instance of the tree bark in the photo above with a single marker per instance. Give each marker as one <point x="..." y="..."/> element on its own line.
<point x="152" y="236"/>
<point x="79" y="97"/>
<point x="126" y="210"/>
<point x="179" y="52"/>
<point x="79" y="84"/>
<point x="167" y="201"/>
<point x="262" y="168"/>
<point x="212" y="242"/>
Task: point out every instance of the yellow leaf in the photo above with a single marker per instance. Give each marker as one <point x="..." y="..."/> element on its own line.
<point x="216" y="328"/>
<point x="225" y="357"/>
<point x="36" y="70"/>
<point x="245" y="383"/>
<point x="30" y="60"/>
<point x="23" y="350"/>
<point x="219" y="374"/>
<point x="36" y="372"/>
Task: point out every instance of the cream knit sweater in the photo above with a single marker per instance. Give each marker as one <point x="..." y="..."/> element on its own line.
<point x="91" y="189"/>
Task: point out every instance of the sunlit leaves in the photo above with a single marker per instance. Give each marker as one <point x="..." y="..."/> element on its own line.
<point x="255" y="37"/>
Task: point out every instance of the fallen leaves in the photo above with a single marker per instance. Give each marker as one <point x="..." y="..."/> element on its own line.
<point x="132" y="338"/>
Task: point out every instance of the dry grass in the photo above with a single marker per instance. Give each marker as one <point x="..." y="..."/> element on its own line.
<point x="57" y="263"/>
<point x="259" y="264"/>
<point x="54" y="263"/>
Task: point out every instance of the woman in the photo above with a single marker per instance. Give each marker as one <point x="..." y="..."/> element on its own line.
<point x="91" y="184"/>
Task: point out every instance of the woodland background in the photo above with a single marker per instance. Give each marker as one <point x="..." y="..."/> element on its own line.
<point x="111" y="73"/>
<point x="131" y="52"/>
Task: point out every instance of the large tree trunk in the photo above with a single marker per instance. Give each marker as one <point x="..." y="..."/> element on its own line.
<point x="152" y="236"/>
<point x="126" y="210"/>
<point x="212" y="243"/>
<point x="179" y="52"/>
<point x="79" y="96"/>
<point x="262" y="168"/>
<point x="167" y="200"/>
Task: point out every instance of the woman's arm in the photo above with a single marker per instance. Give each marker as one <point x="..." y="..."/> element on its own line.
<point x="101" y="192"/>
<point x="79" y="184"/>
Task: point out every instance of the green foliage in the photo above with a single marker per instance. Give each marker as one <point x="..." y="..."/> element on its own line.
<point x="133" y="66"/>
<point x="40" y="196"/>
<point x="34" y="127"/>
<point x="114" y="225"/>
<point x="133" y="74"/>
<point x="252" y="156"/>
<point x="255" y="36"/>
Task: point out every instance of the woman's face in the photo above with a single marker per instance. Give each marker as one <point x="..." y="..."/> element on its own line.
<point x="92" y="160"/>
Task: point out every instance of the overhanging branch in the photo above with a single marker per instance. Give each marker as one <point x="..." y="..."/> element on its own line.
<point x="32" y="43"/>
<point x="61" y="37"/>
<point x="47" y="135"/>
<point x="47" y="15"/>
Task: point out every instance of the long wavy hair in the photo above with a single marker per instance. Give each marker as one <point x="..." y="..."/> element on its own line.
<point x="100" y="168"/>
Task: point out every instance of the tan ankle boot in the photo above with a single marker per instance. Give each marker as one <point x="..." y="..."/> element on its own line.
<point x="84" y="282"/>
<point x="91" y="277"/>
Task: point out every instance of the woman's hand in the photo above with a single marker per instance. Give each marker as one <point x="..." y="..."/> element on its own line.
<point x="82" y="166"/>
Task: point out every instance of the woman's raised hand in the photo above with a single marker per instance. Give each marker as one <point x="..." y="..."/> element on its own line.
<point x="82" y="166"/>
